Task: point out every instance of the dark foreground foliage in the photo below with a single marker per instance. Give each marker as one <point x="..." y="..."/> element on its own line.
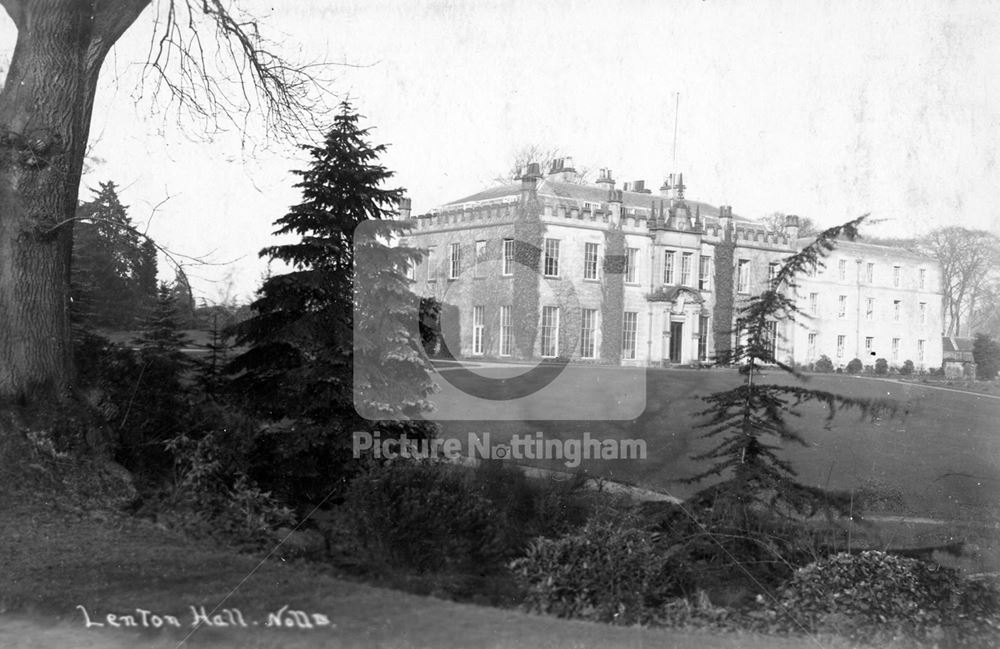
<point x="422" y="516"/>
<point x="611" y="570"/>
<point x="876" y="598"/>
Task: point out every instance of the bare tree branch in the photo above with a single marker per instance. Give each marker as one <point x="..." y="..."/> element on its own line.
<point x="236" y="77"/>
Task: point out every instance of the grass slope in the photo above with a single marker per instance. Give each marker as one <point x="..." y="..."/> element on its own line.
<point x="54" y="560"/>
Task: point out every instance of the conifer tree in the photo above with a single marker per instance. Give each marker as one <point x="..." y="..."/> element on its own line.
<point x="211" y="375"/>
<point x="157" y="406"/>
<point x="110" y="284"/>
<point x="108" y="262"/>
<point x="299" y="365"/>
<point x="746" y="418"/>
<point x="161" y="336"/>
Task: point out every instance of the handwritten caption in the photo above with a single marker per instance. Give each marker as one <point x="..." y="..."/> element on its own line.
<point x="283" y="618"/>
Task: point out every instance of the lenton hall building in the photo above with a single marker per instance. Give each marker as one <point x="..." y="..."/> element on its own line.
<point x="549" y="267"/>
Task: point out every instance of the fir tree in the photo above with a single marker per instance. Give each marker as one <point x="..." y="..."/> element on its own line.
<point x="158" y="403"/>
<point x="753" y="476"/>
<point x="299" y="364"/>
<point x="161" y="334"/>
<point x="110" y="283"/>
<point x="211" y="375"/>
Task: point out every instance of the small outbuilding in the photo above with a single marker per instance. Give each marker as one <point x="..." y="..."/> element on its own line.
<point x="958" y="361"/>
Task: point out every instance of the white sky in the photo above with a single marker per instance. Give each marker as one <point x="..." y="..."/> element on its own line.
<point x="823" y="109"/>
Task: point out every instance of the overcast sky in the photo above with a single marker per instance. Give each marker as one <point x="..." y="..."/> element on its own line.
<point x="823" y="109"/>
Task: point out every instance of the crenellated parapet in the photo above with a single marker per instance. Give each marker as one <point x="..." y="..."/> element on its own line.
<point x="467" y="216"/>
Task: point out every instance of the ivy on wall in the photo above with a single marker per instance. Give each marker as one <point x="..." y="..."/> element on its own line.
<point x="722" y="313"/>
<point x="527" y="270"/>
<point x="613" y="289"/>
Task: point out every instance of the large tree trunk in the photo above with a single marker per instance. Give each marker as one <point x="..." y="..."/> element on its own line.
<point x="45" y="111"/>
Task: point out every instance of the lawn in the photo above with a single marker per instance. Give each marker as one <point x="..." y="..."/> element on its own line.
<point x="941" y="454"/>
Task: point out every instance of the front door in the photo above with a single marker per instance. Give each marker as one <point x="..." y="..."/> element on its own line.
<point x="676" y="329"/>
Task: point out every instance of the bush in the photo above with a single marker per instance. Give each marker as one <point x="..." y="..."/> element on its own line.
<point x="212" y="494"/>
<point x="423" y="516"/>
<point x="855" y="366"/>
<point x="881" y="367"/>
<point x="877" y="597"/>
<point x="907" y="368"/>
<point x="610" y="571"/>
<point x="527" y="507"/>
<point x="824" y="364"/>
<point x="986" y="353"/>
<point x="734" y="549"/>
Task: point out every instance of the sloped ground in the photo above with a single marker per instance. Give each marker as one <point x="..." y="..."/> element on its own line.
<point x="54" y="559"/>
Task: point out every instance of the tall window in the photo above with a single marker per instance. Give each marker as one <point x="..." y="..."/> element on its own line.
<point x="508" y="257"/>
<point x="590" y="261"/>
<point x="478" y="269"/>
<point x="631" y="265"/>
<point x="588" y="333"/>
<point x="812" y="345"/>
<point x="477" y="329"/>
<point x="814" y="303"/>
<point x="771" y="338"/>
<point x="896" y="310"/>
<point x="743" y="276"/>
<point x="410" y="271"/>
<point x="920" y="351"/>
<point x="551" y="268"/>
<point x="895" y="349"/>
<point x="870" y="273"/>
<point x="668" y="266"/>
<point x="703" y="336"/>
<point x="869" y="343"/>
<point x="895" y="276"/>
<point x="506" y="337"/>
<point x="454" y="261"/>
<point x="686" y="268"/>
<point x="842" y="269"/>
<point x="704" y="273"/>
<point x="431" y="260"/>
<point x="923" y="313"/>
<point x="922" y="275"/>
<point x="772" y="271"/>
<point x="841" y="306"/>
<point x="841" y="342"/>
<point x="550" y="331"/>
<point x="870" y="308"/>
<point x="629" y="327"/>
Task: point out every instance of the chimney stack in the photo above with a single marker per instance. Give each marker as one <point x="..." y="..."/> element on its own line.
<point x="726" y="221"/>
<point x="561" y="170"/>
<point x="615" y="205"/>
<point x="529" y="182"/>
<point x="792" y="227"/>
<point x="403" y="210"/>
<point x="604" y="179"/>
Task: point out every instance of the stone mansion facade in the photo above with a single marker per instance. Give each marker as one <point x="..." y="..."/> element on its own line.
<point x="548" y="267"/>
